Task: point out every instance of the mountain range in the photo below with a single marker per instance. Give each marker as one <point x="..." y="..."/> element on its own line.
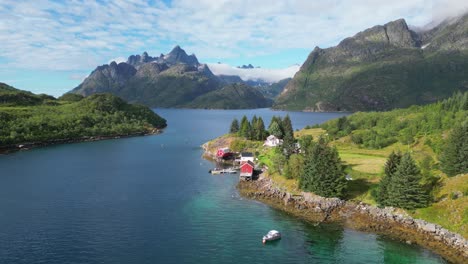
<point x="383" y="67"/>
<point x="172" y="80"/>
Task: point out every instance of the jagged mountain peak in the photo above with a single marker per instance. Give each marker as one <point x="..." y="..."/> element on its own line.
<point x="178" y="55"/>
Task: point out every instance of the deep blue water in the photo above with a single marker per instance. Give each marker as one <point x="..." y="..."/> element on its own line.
<point x="150" y="200"/>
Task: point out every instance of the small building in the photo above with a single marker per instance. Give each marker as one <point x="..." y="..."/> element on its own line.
<point x="272" y="141"/>
<point x="246" y="156"/>
<point x="224" y="153"/>
<point x="247" y="170"/>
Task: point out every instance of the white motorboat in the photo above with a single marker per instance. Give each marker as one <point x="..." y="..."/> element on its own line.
<point x="271" y="236"/>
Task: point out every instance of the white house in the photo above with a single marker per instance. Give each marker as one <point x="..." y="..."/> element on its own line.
<point x="272" y="141"/>
<point x="245" y="157"/>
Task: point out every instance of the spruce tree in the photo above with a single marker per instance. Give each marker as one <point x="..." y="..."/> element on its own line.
<point x="454" y="156"/>
<point x="245" y="128"/>
<point x="405" y="190"/>
<point x="287" y="126"/>
<point x="275" y="130"/>
<point x="259" y="133"/>
<point x="306" y="143"/>
<point x="323" y="171"/>
<point x="278" y="126"/>
<point x="253" y="125"/>
<point x="234" y="126"/>
<point x="288" y="137"/>
<point x="390" y="167"/>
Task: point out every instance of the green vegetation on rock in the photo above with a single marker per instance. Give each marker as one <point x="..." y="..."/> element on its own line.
<point x="232" y="96"/>
<point x="382" y="68"/>
<point x="30" y="118"/>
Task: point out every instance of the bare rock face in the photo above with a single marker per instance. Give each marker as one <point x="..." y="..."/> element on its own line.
<point x="178" y="55"/>
<point x="399" y="35"/>
<point x="172" y="80"/>
<point x="105" y="78"/>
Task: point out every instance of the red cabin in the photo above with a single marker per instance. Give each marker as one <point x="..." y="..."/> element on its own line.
<point x="224" y="153"/>
<point x="247" y="170"/>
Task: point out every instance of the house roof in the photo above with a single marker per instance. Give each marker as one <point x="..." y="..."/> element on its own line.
<point x="246" y="154"/>
<point x="270" y="137"/>
<point x="251" y="164"/>
<point x="225" y="149"/>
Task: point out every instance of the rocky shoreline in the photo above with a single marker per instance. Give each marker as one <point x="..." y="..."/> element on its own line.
<point x="30" y="145"/>
<point x="387" y="221"/>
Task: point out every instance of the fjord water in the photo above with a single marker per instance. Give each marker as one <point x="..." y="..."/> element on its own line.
<point x="150" y="200"/>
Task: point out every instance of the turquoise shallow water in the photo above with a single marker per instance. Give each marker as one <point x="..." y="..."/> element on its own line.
<point x="151" y="200"/>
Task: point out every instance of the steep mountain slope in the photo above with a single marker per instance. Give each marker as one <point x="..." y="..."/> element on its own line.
<point x="171" y="80"/>
<point x="232" y="96"/>
<point x="381" y="68"/>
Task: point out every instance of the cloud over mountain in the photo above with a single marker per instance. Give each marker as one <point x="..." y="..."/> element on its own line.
<point x="268" y="75"/>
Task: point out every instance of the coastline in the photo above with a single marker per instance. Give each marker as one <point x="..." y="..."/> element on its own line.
<point x="359" y="216"/>
<point x="4" y="150"/>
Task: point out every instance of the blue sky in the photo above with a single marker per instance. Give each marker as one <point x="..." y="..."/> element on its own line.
<point x="49" y="46"/>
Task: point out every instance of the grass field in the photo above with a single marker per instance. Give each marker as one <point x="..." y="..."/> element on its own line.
<point x="366" y="166"/>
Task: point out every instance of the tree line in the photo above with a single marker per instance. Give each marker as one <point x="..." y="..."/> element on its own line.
<point x="73" y="117"/>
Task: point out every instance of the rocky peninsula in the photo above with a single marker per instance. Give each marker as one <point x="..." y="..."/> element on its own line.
<point x="388" y="221"/>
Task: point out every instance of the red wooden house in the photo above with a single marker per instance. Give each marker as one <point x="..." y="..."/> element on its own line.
<point x="247" y="170"/>
<point x="224" y="153"/>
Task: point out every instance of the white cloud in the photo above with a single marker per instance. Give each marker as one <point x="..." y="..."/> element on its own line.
<point x="268" y="75"/>
<point x="77" y="76"/>
<point x="81" y="34"/>
<point x="117" y="60"/>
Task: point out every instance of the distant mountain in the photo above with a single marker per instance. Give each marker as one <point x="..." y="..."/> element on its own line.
<point x="250" y="66"/>
<point x="381" y="68"/>
<point x="232" y="96"/>
<point x="273" y="90"/>
<point x="172" y="80"/>
<point x="269" y="90"/>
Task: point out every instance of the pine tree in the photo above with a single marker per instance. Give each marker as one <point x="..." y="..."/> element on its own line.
<point x="454" y="156"/>
<point x="405" y="190"/>
<point x="275" y="130"/>
<point x="278" y="126"/>
<point x="323" y="171"/>
<point x="245" y="128"/>
<point x="259" y="133"/>
<point x="294" y="167"/>
<point x="234" y="126"/>
<point x="306" y="143"/>
<point x="287" y="126"/>
<point x="289" y="144"/>
<point x="253" y="125"/>
<point x="390" y="167"/>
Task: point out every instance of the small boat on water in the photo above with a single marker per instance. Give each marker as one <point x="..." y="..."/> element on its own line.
<point x="230" y="170"/>
<point x="271" y="236"/>
<point x="222" y="171"/>
<point x="215" y="171"/>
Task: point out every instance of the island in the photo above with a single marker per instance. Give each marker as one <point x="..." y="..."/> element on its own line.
<point x="29" y="120"/>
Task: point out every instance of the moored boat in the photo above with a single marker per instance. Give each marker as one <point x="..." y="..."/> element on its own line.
<point x="215" y="171"/>
<point x="271" y="236"/>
